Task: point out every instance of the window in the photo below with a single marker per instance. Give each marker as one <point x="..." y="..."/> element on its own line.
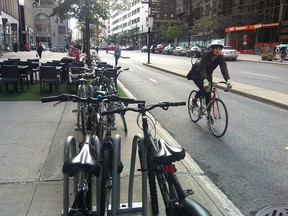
<point x="62" y="29"/>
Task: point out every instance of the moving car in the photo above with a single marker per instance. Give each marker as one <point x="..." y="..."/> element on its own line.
<point x="230" y="53"/>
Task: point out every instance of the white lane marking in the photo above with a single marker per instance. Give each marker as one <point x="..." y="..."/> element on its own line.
<point x="153" y="80"/>
<point x="259" y="74"/>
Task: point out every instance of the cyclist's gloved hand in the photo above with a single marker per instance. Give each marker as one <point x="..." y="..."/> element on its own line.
<point x="206" y="84"/>
<point x="229" y="83"/>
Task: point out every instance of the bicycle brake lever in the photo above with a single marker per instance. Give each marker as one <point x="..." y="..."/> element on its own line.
<point x="57" y="103"/>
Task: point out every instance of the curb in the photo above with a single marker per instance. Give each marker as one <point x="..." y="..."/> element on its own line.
<point x="233" y="90"/>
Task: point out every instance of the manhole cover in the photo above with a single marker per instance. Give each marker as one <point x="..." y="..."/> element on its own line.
<point x="277" y="210"/>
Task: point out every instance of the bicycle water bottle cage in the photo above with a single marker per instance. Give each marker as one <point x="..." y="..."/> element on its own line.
<point x="83" y="161"/>
<point x="168" y="154"/>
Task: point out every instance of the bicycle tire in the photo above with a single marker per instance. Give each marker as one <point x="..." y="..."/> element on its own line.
<point x="83" y="199"/>
<point x="218" y="118"/>
<point x="151" y="181"/>
<point x="105" y="182"/>
<point x="194" y="112"/>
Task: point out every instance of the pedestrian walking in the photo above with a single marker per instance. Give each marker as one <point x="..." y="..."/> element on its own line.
<point x="97" y="49"/>
<point x="117" y="54"/>
<point x="39" y="50"/>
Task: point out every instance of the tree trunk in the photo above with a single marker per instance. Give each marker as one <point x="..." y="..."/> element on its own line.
<point x="87" y="31"/>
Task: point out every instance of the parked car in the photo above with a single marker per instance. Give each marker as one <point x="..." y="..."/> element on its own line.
<point x="144" y="49"/>
<point x="168" y="50"/>
<point x="201" y="49"/>
<point x="230" y="53"/>
<point x="123" y="48"/>
<point x="159" y="48"/>
<point x="60" y="48"/>
<point x="180" y="51"/>
<point x="130" y="47"/>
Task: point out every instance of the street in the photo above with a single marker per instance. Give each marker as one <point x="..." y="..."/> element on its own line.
<point x="250" y="161"/>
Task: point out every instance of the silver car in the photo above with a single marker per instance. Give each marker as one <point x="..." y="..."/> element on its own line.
<point x="230" y="53"/>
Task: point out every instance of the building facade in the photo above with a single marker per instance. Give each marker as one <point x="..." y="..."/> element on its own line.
<point x="243" y="24"/>
<point x="9" y="23"/>
<point x="28" y="21"/>
<point x="132" y="21"/>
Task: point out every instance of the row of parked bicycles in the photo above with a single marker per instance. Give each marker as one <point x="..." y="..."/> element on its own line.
<point x="92" y="166"/>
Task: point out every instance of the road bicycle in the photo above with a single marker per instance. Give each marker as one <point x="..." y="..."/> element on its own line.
<point x="93" y="159"/>
<point x="84" y="90"/>
<point x="157" y="159"/>
<point x="217" y="117"/>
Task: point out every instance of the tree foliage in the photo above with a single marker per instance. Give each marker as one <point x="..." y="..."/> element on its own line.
<point x="85" y="11"/>
<point x="204" y="26"/>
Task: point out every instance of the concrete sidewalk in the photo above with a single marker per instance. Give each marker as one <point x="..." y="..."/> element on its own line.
<point x="32" y="144"/>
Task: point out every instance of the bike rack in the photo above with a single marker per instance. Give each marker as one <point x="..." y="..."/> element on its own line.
<point x="116" y="207"/>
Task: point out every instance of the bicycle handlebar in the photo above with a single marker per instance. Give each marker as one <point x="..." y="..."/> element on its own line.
<point x="142" y="108"/>
<point x="75" y="98"/>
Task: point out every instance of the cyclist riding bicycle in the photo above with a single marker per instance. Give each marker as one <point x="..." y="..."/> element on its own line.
<point x="208" y="63"/>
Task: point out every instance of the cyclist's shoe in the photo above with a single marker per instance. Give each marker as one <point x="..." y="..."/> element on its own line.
<point x="211" y="122"/>
<point x="194" y="103"/>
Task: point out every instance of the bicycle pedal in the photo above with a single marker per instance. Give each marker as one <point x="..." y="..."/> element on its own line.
<point x="188" y="192"/>
<point x="75" y="110"/>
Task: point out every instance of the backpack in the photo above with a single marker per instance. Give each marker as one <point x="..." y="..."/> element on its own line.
<point x="195" y="67"/>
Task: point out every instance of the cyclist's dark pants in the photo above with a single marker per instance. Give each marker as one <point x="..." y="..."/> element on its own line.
<point x="202" y="91"/>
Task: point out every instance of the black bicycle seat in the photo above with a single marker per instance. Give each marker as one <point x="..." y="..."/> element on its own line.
<point x="83" y="161"/>
<point x="168" y="154"/>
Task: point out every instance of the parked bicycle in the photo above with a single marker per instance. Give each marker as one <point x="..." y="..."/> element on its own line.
<point x="157" y="159"/>
<point x="93" y="159"/>
<point x="218" y="115"/>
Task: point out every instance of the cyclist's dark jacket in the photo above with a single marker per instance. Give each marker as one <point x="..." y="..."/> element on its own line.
<point x="208" y="64"/>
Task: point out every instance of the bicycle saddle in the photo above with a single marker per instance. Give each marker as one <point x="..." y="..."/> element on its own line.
<point x="83" y="161"/>
<point x="168" y="154"/>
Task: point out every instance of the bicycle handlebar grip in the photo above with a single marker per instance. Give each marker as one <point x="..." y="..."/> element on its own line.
<point x="49" y="99"/>
<point x="177" y="104"/>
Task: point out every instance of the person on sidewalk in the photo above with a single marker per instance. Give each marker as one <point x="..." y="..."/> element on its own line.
<point x="117" y="54"/>
<point x="39" y="50"/>
<point x="204" y="76"/>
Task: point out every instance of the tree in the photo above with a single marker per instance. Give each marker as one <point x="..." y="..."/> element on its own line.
<point x="172" y="33"/>
<point x="204" y="26"/>
<point x="85" y="11"/>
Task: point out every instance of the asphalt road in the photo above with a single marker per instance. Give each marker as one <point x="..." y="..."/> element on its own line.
<point x="249" y="164"/>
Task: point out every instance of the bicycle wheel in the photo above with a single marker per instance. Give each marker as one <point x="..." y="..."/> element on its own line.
<point x="106" y="184"/>
<point x="193" y="111"/>
<point x="82" y="204"/>
<point x="151" y="181"/>
<point x="218" y="119"/>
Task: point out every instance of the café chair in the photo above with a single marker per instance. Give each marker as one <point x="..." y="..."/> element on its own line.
<point x="25" y="72"/>
<point x="72" y="80"/>
<point x="34" y="67"/>
<point x="48" y="74"/>
<point x="10" y="75"/>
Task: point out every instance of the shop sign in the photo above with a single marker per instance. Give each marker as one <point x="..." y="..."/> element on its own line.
<point x="261" y="25"/>
<point x="240" y="28"/>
